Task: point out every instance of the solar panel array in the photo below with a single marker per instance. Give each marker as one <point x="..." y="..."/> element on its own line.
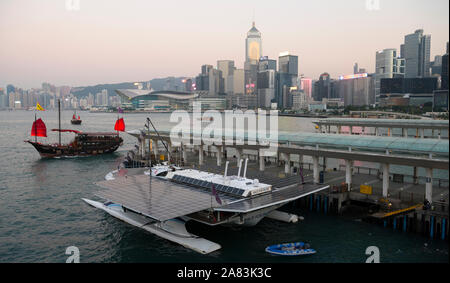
<point x="276" y="197"/>
<point x="208" y="185"/>
<point x="163" y="201"/>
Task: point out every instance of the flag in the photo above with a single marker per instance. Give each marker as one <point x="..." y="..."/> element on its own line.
<point x="214" y="192"/>
<point x="39" y="107"/>
<point x="119" y="110"/>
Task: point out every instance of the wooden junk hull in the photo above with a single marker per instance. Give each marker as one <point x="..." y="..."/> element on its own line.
<point x="75" y="122"/>
<point x="77" y="148"/>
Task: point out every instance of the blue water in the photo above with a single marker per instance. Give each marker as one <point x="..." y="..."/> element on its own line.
<point x="41" y="213"/>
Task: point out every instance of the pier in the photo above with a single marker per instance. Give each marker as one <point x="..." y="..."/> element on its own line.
<point x="389" y="198"/>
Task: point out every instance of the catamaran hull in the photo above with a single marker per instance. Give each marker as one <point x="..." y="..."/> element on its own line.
<point x="51" y="151"/>
<point x="173" y="230"/>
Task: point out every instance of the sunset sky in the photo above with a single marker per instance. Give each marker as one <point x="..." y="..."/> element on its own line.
<point x="108" y="41"/>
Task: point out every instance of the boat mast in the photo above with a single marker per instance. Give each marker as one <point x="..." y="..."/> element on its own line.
<point x="167" y="149"/>
<point x="59" y="120"/>
<point x="35" y="127"/>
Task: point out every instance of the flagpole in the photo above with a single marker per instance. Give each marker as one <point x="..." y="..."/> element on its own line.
<point x="35" y="127"/>
<point x="59" y="119"/>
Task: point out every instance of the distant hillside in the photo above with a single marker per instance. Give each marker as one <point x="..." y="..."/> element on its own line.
<point x="169" y="83"/>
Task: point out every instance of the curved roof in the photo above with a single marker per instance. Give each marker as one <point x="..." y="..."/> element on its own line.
<point x="391" y="123"/>
<point x="134" y="93"/>
<point x="397" y="144"/>
<point x="404" y="146"/>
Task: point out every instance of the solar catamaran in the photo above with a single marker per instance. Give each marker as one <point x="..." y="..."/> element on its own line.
<point x="164" y="206"/>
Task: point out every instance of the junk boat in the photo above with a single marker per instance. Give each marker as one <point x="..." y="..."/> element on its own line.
<point x="75" y="120"/>
<point x="84" y="144"/>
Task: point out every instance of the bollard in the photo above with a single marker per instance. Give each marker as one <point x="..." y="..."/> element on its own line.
<point x="404" y="223"/>
<point x="443" y="229"/>
<point x="432" y="227"/>
<point x="318" y="203"/>
<point x="311" y="202"/>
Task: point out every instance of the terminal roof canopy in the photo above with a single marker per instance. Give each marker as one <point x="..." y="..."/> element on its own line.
<point x="392" y="123"/>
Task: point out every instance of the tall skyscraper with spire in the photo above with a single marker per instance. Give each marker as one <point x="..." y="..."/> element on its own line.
<point x="253" y="52"/>
<point x="253" y="45"/>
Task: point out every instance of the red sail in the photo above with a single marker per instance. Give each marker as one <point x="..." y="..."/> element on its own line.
<point x="39" y="128"/>
<point x="120" y="125"/>
<point x="73" y="117"/>
<point x="78" y="117"/>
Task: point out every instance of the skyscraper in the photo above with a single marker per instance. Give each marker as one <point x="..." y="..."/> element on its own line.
<point x="306" y="86"/>
<point x="444" y="72"/>
<point x="253" y="45"/>
<point x="286" y="78"/>
<point x="227" y="69"/>
<point x="417" y="54"/>
<point x="288" y="64"/>
<point x="387" y="65"/>
<point x="267" y="64"/>
<point x="322" y="88"/>
<point x="253" y="52"/>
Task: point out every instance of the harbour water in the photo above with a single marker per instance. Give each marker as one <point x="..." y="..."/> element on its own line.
<point x="41" y="211"/>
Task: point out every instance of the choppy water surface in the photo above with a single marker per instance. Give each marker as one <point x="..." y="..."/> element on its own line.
<point x="41" y="211"/>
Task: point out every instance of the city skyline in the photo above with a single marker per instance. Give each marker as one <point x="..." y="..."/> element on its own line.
<point x="114" y="41"/>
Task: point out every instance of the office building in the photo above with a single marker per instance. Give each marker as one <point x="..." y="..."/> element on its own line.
<point x="253" y="45"/>
<point x="238" y="81"/>
<point x="288" y="64"/>
<point x="253" y="52"/>
<point x="436" y="65"/>
<point x="417" y="54"/>
<point x="322" y="87"/>
<point x="227" y="69"/>
<point x="306" y="86"/>
<point x="267" y="64"/>
<point x="266" y="88"/>
<point x="355" y="89"/>
<point x="444" y="72"/>
<point x="387" y="65"/>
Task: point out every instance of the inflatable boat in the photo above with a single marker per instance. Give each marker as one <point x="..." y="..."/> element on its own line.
<point x="290" y="249"/>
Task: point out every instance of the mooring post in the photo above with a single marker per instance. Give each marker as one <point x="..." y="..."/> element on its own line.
<point x="311" y="202"/>
<point x="432" y="226"/>
<point x="443" y="229"/>
<point x="318" y="203"/>
<point x="404" y="223"/>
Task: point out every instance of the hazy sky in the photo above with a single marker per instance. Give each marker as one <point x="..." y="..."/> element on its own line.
<point x="108" y="41"/>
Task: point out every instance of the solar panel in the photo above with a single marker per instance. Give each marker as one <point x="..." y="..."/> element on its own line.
<point x="276" y="197"/>
<point x="165" y="200"/>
